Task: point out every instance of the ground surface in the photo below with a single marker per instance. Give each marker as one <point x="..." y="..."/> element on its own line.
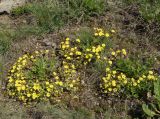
<point x="133" y="33"/>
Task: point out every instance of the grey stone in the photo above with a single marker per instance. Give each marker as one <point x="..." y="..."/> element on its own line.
<point x="8" y="5"/>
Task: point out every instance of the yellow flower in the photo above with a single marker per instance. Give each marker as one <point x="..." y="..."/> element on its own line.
<point x="36" y="87"/>
<point x="103" y="45"/>
<point x="144" y="76"/>
<point x="113" y="53"/>
<point x="125" y="81"/>
<point x="101" y="33"/>
<point x="114" y="72"/>
<point x="113" y="83"/>
<point x="48" y="89"/>
<point x="66" y="66"/>
<point x="56" y="77"/>
<point x="107" y="69"/>
<point x="71" y="85"/>
<point x="51" y="86"/>
<point x="67" y="39"/>
<point x="149" y="77"/>
<point x="140" y="79"/>
<point x="134" y="84"/>
<point x="34" y="96"/>
<point x="36" y="52"/>
<point x="151" y="72"/>
<point x="67" y="42"/>
<point x="23" y="87"/>
<point x="124" y="52"/>
<point x="69" y="58"/>
<point x="72" y="49"/>
<point x="54" y="73"/>
<point x="63" y="46"/>
<point x="59" y="83"/>
<point x="48" y="94"/>
<point x="119" y="77"/>
<point x="104" y="78"/>
<point x="46" y="51"/>
<point x="78" y="40"/>
<point x="98" y="57"/>
<point x="90" y="55"/>
<point x="73" y="66"/>
<point x="107" y="35"/>
<point x="113" y="31"/>
<point x="71" y="53"/>
<point x="110" y="62"/>
<point x="28" y="95"/>
<point x="88" y="49"/>
<point x="67" y="46"/>
<point x="108" y="76"/>
<point x="19" y="88"/>
<point x="10" y="80"/>
<point x="96" y="34"/>
<point x="12" y="71"/>
<point x="118" y="51"/>
<point x="123" y="76"/>
<point x="78" y="53"/>
<point x="23" y="98"/>
<point x="47" y="83"/>
<point x="110" y="89"/>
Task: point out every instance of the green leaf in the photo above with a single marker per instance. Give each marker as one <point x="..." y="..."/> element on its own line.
<point x="157" y="89"/>
<point x="148" y="111"/>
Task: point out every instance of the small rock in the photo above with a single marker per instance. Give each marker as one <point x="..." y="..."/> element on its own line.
<point x="7" y="5"/>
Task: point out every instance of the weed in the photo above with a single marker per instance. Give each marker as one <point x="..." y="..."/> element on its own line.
<point x="64" y="112"/>
<point x="20" y="10"/>
<point x="149" y="9"/>
<point x="153" y="109"/>
<point x="5" y="41"/>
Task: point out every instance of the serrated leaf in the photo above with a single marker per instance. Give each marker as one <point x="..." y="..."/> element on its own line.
<point x="148" y="111"/>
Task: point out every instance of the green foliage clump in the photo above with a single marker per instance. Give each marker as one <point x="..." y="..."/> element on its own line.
<point x="53" y="14"/>
<point x="20" y="10"/>
<point x="149" y="9"/>
<point x="153" y="109"/>
<point x="64" y="112"/>
<point x="126" y="76"/>
<point x="37" y="76"/>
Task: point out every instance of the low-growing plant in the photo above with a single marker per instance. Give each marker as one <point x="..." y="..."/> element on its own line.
<point x="5" y="40"/>
<point x="64" y="112"/>
<point x="149" y="9"/>
<point x="20" y="10"/>
<point x="125" y="76"/>
<point x="86" y="8"/>
<point x="38" y="76"/>
<point x="153" y="109"/>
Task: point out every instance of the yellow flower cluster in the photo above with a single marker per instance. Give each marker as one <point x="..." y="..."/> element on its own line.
<point x="115" y="80"/>
<point x="77" y="55"/>
<point x="32" y="79"/>
<point x="70" y="52"/>
<point x="67" y="77"/>
<point x="28" y="87"/>
<point x="101" y="32"/>
<point x="151" y="76"/>
<point x="19" y="85"/>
